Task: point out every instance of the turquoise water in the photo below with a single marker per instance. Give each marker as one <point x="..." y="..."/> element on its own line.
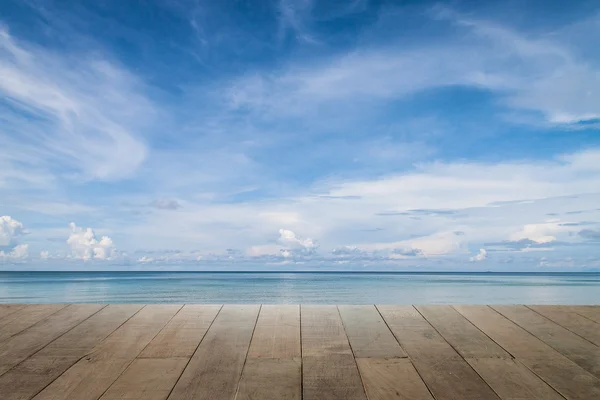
<point x="298" y="287"/>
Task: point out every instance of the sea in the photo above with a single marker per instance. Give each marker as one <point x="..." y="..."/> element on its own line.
<point x="300" y="287"/>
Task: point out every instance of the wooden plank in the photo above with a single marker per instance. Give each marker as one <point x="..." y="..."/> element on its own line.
<point x="215" y="368"/>
<point x="578" y="324"/>
<point x="574" y="347"/>
<point x="271" y="378"/>
<point x="512" y="380"/>
<point x="38" y="371"/>
<point x="509" y="379"/>
<point x="20" y="346"/>
<point x="91" y="376"/>
<point x="147" y="379"/>
<point x="590" y="312"/>
<point x="445" y="372"/>
<point x="466" y="339"/>
<point x="566" y="377"/>
<point x="8" y="309"/>
<point x="19" y="321"/>
<point x="158" y="367"/>
<point x="395" y="378"/>
<point x="368" y="334"/>
<point x="273" y="367"/>
<point x="183" y="333"/>
<point x="329" y="368"/>
<point x="277" y="333"/>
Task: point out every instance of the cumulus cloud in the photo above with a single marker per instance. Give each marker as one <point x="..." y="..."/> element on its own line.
<point x="10" y="230"/>
<point x="482" y="255"/>
<point x="85" y="246"/>
<point x="539" y="233"/>
<point x="19" y="252"/>
<point x="291" y="242"/>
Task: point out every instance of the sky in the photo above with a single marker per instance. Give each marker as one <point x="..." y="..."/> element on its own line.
<point x="299" y="134"/>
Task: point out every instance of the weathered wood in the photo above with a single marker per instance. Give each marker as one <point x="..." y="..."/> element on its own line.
<point x="578" y="324"/>
<point x="329" y="368"/>
<point x="38" y="371"/>
<point x="469" y="341"/>
<point x="368" y="334"/>
<point x="395" y="378"/>
<point x="566" y="377"/>
<point x="181" y="336"/>
<point x="510" y="380"/>
<point x="147" y="379"/>
<point x="590" y="312"/>
<point x="215" y="368"/>
<point x="273" y="366"/>
<point x="445" y="372"/>
<point x="574" y="347"/>
<point x="19" y="321"/>
<point x="20" y="346"/>
<point x="271" y="378"/>
<point x="90" y="377"/>
<point x="277" y="333"/>
<point x="8" y="309"/>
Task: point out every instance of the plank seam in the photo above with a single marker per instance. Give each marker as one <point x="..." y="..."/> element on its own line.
<point x="362" y="383"/>
<point x="562" y="326"/>
<point x="192" y="356"/>
<point x="457" y="352"/>
<point x="24" y="329"/>
<point x="514" y="357"/>
<point x="83" y="356"/>
<point x="407" y="355"/>
<point x="56" y="338"/>
<point x="237" y="387"/>
<point x="134" y="358"/>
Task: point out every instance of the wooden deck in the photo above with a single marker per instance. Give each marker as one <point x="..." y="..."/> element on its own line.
<point x="244" y="352"/>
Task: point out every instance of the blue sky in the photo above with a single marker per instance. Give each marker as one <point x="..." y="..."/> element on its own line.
<point x="298" y="134"/>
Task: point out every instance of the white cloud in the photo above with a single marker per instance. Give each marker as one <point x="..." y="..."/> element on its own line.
<point x="10" y="229"/>
<point x="19" y="252"/>
<point x="482" y="255"/>
<point x="529" y="72"/>
<point x="44" y="254"/>
<point x="290" y="241"/>
<point x="79" y="114"/>
<point x="85" y="246"/>
<point x="540" y="233"/>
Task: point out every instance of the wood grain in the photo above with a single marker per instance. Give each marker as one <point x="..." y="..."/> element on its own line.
<point x="271" y="378"/>
<point x="445" y="372"/>
<point x="590" y="312"/>
<point x="19" y="321"/>
<point x="395" y="378"/>
<point x="574" y="347"/>
<point x="566" y="377"/>
<point x="368" y="334"/>
<point x="181" y="336"/>
<point x="329" y="368"/>
<point x="215" y="368"/>
<point x="277" y="333"/>
<point x="38" y="371"/>
<point x="91" y="376"/>
<point x="8" y="309"/>
<point x="509" y="379"/>
<point x="22" y="345"/>
<point x="147" y="379"/>
<point x="576" y="323"/>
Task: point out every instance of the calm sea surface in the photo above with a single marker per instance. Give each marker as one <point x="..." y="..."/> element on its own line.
<point x="298" y="287"/>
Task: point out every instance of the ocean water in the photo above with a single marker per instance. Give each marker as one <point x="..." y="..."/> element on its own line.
<point x="299" y="287"/>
